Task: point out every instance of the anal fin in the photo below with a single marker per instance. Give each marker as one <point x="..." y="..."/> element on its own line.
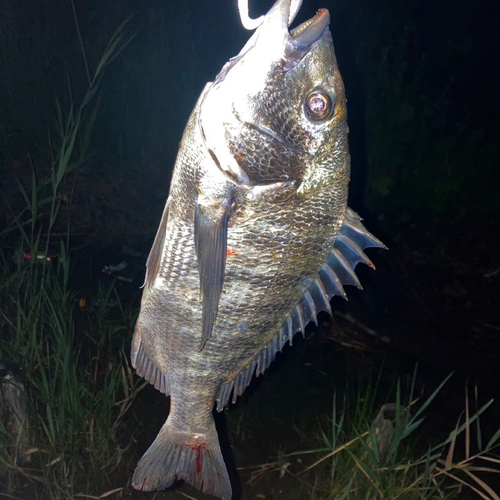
<point x="144" y="365"/>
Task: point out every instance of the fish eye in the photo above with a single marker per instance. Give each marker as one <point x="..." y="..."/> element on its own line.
<point x="319" y="105"/>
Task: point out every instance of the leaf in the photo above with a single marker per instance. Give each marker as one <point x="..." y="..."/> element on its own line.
<point x="431" y="397"/>
<point x="334" y="452"/>
<point x="483" y="485"/>
<point x="462" y="427"/>
<point x="67" y="152"/>
<point x="467" y="425"/>
<point x="493" y="440"/>
<point x="411" y="427"/>
<point x="490" y="459"/>
<point x="465" y="483"/>
<point x="91" y="91"/>
<point x="347" y="489"/>
<point x="449" y="458"/>
<point x="368" y="473"/>
<point x="113" y="49"/>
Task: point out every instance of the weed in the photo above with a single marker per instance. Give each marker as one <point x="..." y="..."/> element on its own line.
<point x="79" y="379"/>
<point x="367" y="454"/>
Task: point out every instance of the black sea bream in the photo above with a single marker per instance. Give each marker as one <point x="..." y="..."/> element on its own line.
<point x="255" y="239"/>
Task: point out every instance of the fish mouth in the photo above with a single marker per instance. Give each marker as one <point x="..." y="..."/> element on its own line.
<point x="273" y="40"/>
<point x="300" y="40"/>
<point x="310" y="31"/>
<point x="306" y="34"/>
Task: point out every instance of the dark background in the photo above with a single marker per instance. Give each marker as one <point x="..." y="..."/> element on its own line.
<point x="421" y="79"/>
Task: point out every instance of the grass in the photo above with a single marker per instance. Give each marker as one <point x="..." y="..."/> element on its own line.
<point x="72" y="355"/>
<point x="369" y="451"/>
<point x="79" y="379"/>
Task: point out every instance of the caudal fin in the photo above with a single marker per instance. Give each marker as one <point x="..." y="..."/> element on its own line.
<point x="175" y="455"/>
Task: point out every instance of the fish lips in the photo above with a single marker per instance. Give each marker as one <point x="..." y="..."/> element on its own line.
<point x="306" y="34"/>
<point x="297" y="42"/>
<point x="272" y="40"/>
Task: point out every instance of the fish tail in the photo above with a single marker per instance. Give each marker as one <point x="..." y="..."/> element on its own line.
<point x="178" y="455"/>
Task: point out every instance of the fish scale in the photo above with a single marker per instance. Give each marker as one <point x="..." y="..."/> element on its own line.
<point x="255" y="239"/>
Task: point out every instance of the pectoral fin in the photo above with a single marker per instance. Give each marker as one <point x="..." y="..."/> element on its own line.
<point x="210" y="232"/>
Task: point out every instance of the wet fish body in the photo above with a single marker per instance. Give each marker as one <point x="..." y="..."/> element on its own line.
<point x="255" y="238"/>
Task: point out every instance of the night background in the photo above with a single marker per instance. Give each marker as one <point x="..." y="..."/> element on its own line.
<point x="85" y="166"/>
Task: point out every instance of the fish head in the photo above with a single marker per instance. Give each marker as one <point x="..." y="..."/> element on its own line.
<point x="277" y="111"/>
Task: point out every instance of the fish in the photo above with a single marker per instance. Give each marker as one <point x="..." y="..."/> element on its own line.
<point x="255" y="239"/>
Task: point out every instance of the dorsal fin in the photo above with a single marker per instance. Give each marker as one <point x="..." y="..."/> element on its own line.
<point x="337" y="271"/>
<point x="141" y="361"/>
<point x="154" y="258"/>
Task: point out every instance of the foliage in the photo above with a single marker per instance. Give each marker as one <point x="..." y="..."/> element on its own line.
<point x="72" y="354"/>
<point x="367" y="453"/>
<point x="78" y="377"/>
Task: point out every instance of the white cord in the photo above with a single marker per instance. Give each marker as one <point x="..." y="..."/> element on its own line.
<point x="247" y="22"/>
<point x="251" y="24"/>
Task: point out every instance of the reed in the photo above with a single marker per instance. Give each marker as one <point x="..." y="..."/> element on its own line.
<point x="77" y="380"/>
<point x="368" y="451"/>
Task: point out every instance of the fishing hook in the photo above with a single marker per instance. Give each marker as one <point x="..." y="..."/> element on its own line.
<point x="247" y="22"/>
<point x="251" y="24"/>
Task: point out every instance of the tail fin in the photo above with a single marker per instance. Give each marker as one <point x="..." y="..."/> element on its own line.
<point x="177" y="455"/>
